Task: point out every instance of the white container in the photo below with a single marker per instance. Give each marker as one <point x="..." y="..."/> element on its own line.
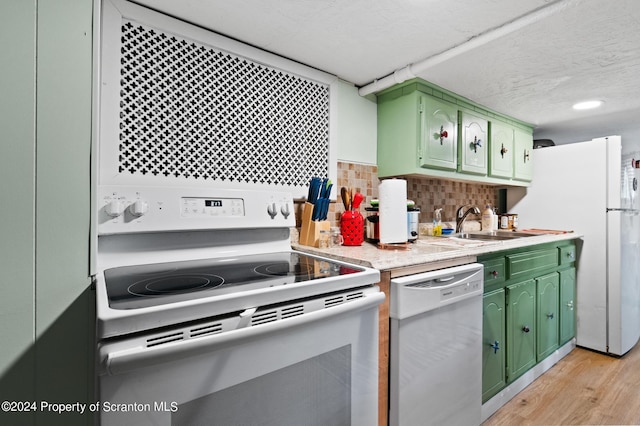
<point x="487" y="218"/>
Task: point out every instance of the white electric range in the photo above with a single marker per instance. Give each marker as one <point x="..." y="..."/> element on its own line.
<point x="203" y="308"/>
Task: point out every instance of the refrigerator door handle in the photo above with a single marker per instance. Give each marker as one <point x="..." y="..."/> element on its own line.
<point x="622" y="210"/>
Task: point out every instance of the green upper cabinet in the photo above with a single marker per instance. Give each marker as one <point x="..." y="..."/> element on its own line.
<point x="474" y="131"/>
<point x="522" y="156"/>
<point x="510" y="151"/>
<point x="426" y="130"/>
<point x="501" y="137"/>
<point x="438" y="139"/>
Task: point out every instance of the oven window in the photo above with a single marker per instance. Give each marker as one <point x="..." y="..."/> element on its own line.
<point x="316" y="391"/>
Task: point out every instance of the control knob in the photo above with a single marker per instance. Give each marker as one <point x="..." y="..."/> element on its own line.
<point x="272" y="210"/>
<point x="285" y="210"/>
<point x="114" y="208"/>
<point x="138" y="208"/>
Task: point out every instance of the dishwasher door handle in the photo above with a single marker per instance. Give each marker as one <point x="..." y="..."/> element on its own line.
<point x="445" y="280"/>
<point x="436" y="284"/>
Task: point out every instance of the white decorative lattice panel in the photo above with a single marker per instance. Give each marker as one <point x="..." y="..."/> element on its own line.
<point x="192" y="112"/>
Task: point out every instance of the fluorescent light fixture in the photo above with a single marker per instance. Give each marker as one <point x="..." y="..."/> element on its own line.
<point x="587" y="105"/>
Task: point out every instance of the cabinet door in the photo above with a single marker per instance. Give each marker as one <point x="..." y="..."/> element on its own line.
<point x="526" y="264"/>
<point x="494" y="271"/>
<point x="439" y="141"/>
<point x="473" y="144"/>
<point x="501" y="150"/>
<point x="567" y="305"/>
<point x="493" y="349"/>
<point x="521" y="323"/>
<point x="523" y="156"/>
<point x="548" y="288"/>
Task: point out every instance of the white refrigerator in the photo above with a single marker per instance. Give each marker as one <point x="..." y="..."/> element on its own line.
<point x="586" y="188"/>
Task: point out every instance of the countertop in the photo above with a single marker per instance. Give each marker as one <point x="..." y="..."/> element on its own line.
<point x="429" y="250"/>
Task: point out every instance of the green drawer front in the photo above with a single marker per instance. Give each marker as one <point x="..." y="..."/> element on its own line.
<point x="531" y="262"/>
<point x="494" y="271"/>
<point x="567" y="254"/>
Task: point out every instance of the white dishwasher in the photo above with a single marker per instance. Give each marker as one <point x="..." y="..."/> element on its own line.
<point x="436" y="347"/>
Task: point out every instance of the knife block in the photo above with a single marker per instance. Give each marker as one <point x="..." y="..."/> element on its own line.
<point x="310" y="230"/>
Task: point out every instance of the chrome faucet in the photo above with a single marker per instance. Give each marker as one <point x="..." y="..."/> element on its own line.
<point x="461" y="215"/>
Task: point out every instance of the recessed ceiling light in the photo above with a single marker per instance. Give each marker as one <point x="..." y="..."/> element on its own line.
<point x="587" y="105"/>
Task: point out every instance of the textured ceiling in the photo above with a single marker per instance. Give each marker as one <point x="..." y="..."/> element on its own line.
<point x="561" y="52"/>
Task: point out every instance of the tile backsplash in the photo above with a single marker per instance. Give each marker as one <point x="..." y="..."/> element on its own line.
<point x="428" y="193"/>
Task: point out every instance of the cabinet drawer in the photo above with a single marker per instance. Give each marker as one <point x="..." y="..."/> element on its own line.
<point x="531" y="262"/>
<point x="494" y="271"/>
<point x="567" y="254"/>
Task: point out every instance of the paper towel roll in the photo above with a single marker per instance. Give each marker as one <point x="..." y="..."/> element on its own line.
<point x="392" y="196"/>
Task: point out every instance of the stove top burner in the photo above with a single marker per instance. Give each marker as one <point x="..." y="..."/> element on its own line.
<point x="284" y="269"/>
<point x="174" y="284"/>
<point x="139" y="286"/>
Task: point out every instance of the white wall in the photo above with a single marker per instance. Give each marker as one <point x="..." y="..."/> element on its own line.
<point x="357" y="126"/>
<point x="624" y="124"/>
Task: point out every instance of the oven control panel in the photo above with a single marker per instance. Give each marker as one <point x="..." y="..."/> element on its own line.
<point x="123" y="209"/>
<point x="212" y="207"/>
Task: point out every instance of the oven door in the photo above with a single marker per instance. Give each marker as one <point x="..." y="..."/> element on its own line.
<point x="316" y="368"/>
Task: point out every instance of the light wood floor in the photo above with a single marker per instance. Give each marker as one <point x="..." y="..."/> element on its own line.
<point x="584" y="388"/>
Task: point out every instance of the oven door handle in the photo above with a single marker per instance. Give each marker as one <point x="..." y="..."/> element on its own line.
<point x="142" y="357"/>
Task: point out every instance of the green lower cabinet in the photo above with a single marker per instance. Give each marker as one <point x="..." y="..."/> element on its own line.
<point x="567" y="305"/>
<point x="493" y="349"/>
<point x="521" y="324"/>
<point x="548" y="293"/>
<point x="528" y="310"/>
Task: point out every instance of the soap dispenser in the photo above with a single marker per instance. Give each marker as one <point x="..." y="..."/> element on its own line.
<point x="487" y="218"/>
<point x="437" y="222"/>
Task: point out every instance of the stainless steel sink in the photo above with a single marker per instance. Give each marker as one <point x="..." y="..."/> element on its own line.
<point x="488" y="236"/>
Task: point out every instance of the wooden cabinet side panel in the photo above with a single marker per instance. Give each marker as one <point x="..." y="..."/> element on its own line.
<point x="399" y="129"/>
<point x="383" y="350"/>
